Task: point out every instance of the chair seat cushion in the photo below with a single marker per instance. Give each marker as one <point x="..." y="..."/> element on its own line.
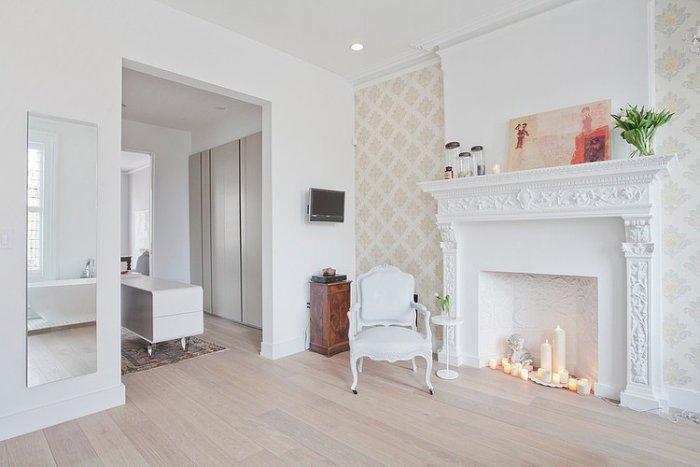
<point x="390" y="342"/>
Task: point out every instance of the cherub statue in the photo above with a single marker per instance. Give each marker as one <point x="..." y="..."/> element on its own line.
<point x="517" y="351"/>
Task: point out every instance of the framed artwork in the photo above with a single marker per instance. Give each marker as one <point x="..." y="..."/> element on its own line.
<point x="573" y="135"/>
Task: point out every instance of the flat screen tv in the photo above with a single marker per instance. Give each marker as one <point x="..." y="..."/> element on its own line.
<point x="326" y="205"/>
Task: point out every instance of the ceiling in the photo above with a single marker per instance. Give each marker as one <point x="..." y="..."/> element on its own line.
<point x="395" y="33"/>
<point x="157" y="101"/>
<point x="134" y="160"/>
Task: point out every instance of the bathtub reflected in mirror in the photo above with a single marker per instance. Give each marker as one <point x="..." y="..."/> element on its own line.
<point x="61" y="249"/>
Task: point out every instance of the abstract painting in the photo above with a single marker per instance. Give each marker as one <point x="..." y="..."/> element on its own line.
<point x="573" y="135"/>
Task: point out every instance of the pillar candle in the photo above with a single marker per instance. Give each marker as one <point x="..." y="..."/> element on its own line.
<point x="492" y="364"/>
<point x="572" y="384"/>
<point x="555" y="378"/>
<point x="546" y="355"/>
<point x="559" y="350"/>
<point x="540" y="373"/>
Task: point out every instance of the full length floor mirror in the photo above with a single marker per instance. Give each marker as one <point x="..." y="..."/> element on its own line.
<point x="61" y="249"/>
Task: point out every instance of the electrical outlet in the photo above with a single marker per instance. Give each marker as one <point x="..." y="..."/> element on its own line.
<point x="5" y="239"/>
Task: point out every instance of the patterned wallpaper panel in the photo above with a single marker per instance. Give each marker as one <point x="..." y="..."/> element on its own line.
<point x="400" y="131"/>
<point x="678" y="89"/>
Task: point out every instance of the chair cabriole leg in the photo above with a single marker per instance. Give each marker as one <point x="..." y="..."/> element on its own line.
<point x="353" y="367"/>
<point x="428" y="370"/>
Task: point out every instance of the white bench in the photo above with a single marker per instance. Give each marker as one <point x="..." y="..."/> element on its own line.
<point x="159" y="310"/>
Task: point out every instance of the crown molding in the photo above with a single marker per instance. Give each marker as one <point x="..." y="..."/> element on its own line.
<point x="424" y="52"/>
<point x="484" y="24"/>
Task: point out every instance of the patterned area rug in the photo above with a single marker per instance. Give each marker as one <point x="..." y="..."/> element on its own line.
<point x="135" y="356"/>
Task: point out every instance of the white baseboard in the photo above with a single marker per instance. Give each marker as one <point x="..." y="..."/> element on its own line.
<point x="282" y="349"/>
<point x="41" y="417"/>
<point x="684" y="399"/>
<point x="606" y="391"/>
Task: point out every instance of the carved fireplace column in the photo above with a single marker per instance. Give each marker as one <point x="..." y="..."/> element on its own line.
<point x="643" y="321"/>
<point x="450" y="281"/>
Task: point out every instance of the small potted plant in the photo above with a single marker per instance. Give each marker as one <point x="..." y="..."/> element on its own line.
<point x="639" y="127"/>
<point x="444" y="303"/>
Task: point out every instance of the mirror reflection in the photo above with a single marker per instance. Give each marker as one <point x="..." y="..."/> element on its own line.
<point x="61" y="249"/>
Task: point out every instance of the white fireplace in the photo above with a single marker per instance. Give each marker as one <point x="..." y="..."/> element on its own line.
<point x="590" y="226"/>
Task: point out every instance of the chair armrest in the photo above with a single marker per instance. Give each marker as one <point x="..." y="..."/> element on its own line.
<point x="422" y="310"/>
<point x="354" y="321"/>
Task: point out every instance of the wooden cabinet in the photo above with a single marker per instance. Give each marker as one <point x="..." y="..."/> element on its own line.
<point x="330" y="304"/>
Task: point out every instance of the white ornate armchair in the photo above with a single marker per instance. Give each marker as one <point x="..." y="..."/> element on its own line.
<point x="383" y="322"/>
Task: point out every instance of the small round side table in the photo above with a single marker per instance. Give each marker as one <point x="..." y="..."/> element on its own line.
<point x="449" y="324"/>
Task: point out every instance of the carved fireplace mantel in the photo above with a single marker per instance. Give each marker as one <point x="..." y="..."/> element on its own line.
<point x="625" y="188"/>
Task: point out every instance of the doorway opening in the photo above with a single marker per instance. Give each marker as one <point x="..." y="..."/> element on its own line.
<point x="136" y="211"/>
<point x="203" y="217"/>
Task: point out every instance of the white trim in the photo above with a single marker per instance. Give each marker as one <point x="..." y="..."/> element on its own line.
<point x="137" y="169"/>
<point x="283" y="349"/>
<point x="424" y="51"/>
<point x="487" y="23"/>
<point x="37" y="418"/>
<point x="685" y="399"/>
<point x="606" y="391"/>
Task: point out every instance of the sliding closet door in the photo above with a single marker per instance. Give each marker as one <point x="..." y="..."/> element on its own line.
<point x="226" y="231"/>
<point x="200" y="232"/>
<point x="206" y="229"/>
<point x="195" y="196"/>
<point x="251" y="228"/>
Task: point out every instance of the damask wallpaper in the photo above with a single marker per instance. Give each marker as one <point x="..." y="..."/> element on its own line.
<point x="400" y="131"/>
<point x="678" y="89"/>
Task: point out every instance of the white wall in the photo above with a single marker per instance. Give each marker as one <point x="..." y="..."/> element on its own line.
<point x="72" y="68"/>
<point x="170" y="230"/>
<point x="581" y="52"/>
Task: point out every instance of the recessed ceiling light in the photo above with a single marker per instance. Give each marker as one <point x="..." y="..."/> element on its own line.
<point x="220" y="107"/>
<point x="357" y="47"/>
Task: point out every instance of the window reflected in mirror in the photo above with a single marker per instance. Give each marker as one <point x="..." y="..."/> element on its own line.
<point x="61" y="249"/>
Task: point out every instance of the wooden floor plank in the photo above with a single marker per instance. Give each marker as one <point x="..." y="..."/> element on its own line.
<point x="314" y="439"/>
<point x="111" y="444"/>
<point x="29" y="449"/>
<point x="70" y="446"/>
<point x="145" y="434"/>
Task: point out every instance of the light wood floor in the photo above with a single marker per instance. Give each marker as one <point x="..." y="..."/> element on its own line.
<point x="234" y="407"/>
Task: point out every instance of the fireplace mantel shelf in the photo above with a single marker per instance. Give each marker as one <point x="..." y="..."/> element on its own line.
<point x="626" y="188"/>
<point x="620" y="187"/>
